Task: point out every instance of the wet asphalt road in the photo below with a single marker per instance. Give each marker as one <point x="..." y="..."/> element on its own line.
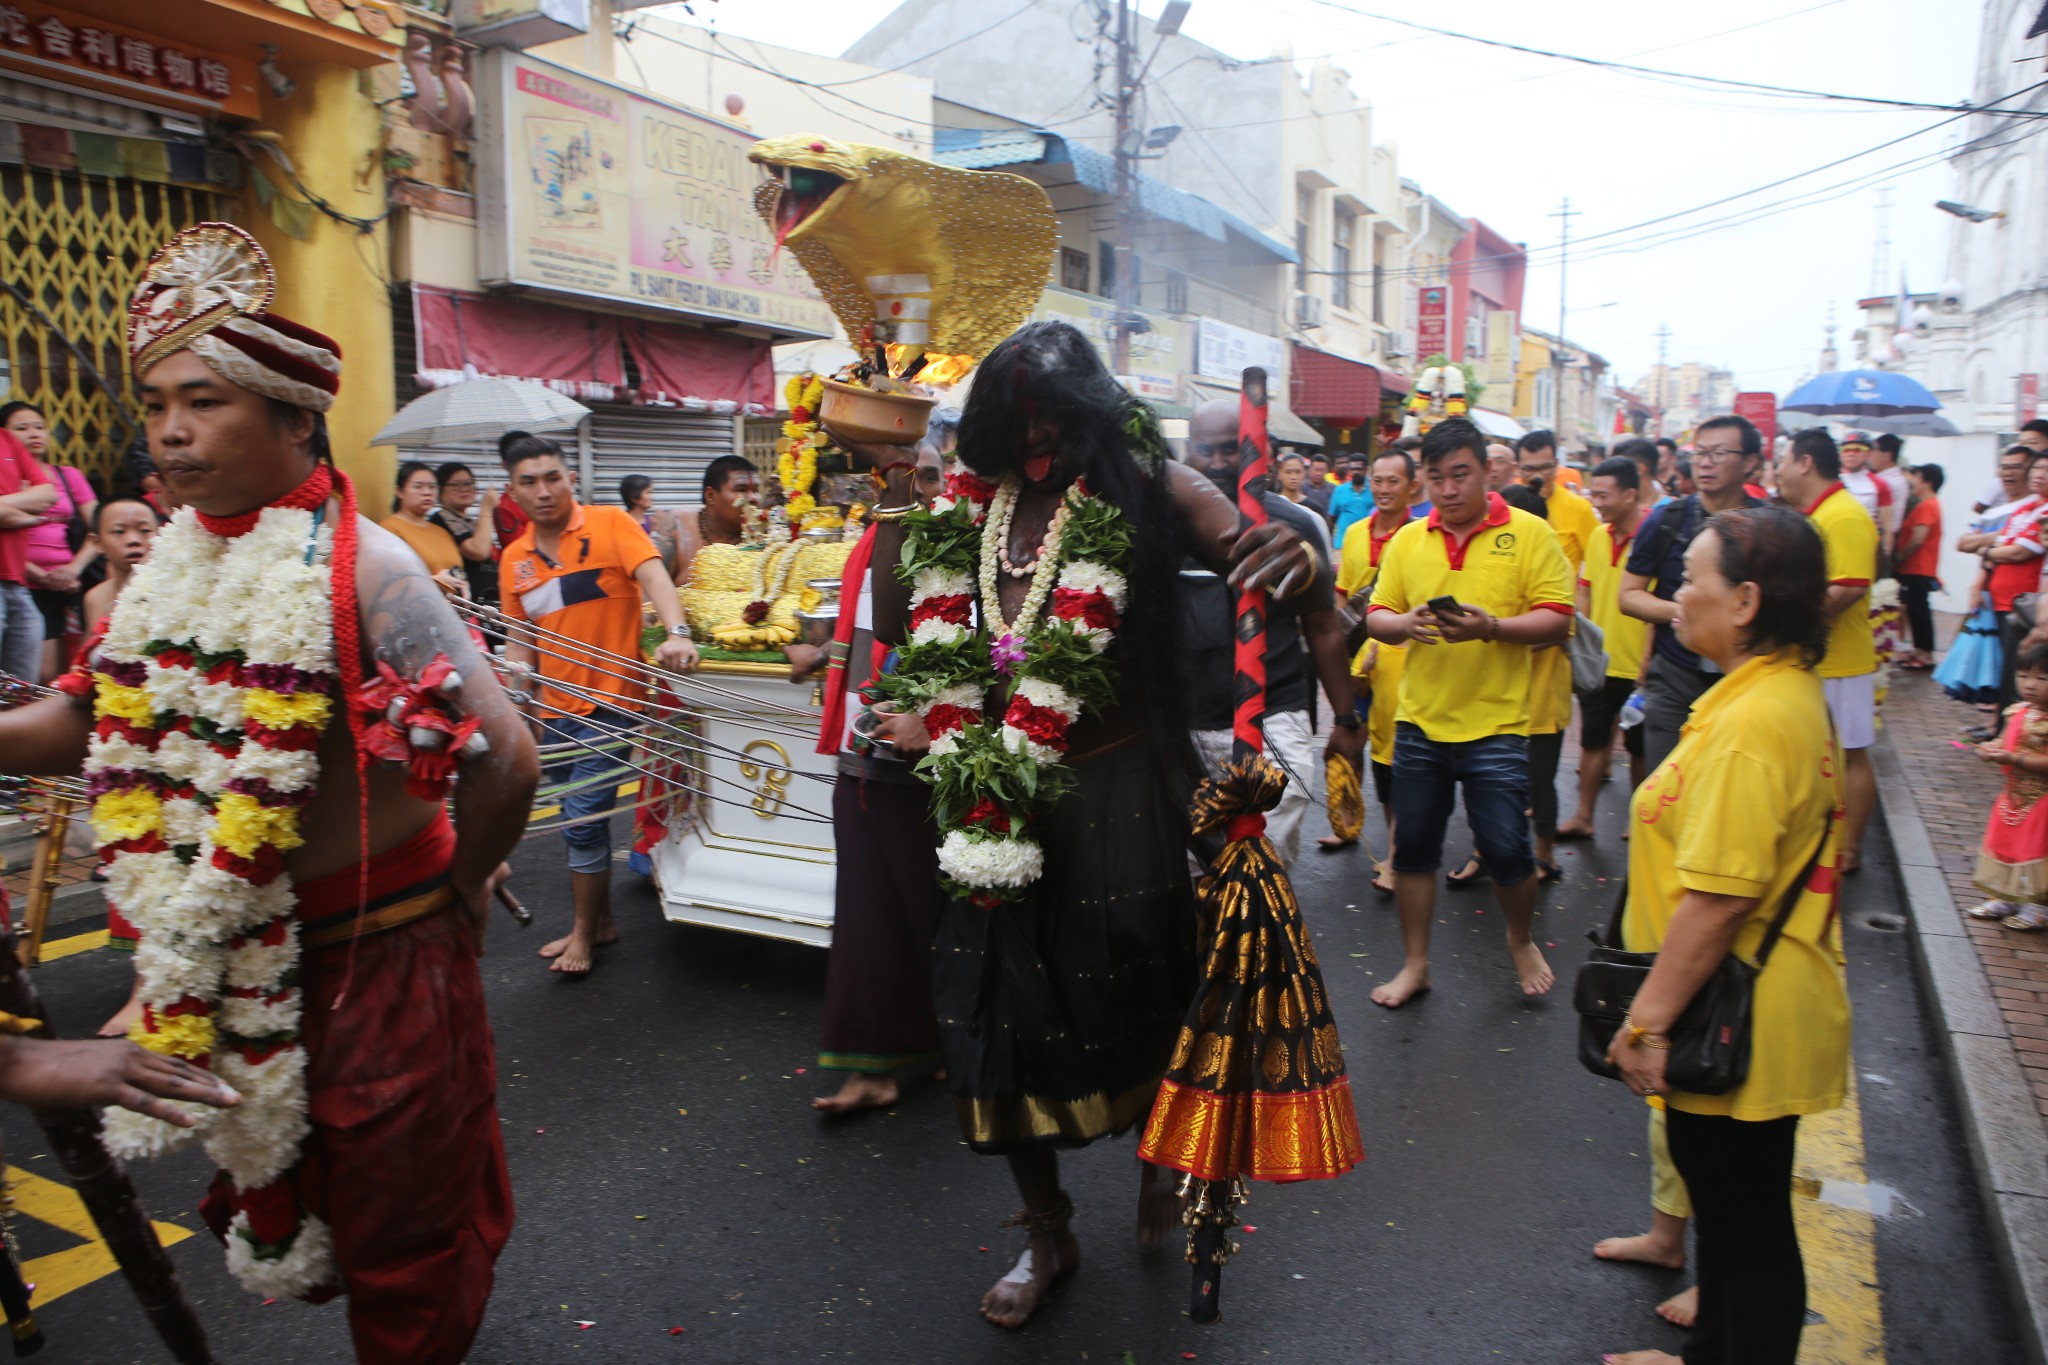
<point x="1493" y="1164"/>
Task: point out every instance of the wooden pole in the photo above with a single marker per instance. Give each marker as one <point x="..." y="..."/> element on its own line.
<point x="42" y="877"/>
<point x="107" y="1192"/>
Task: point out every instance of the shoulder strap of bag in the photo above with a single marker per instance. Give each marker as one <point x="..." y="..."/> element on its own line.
<point x="1798" y="888"/>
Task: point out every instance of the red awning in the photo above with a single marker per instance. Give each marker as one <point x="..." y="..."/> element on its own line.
<point x="584" y="353"/>
<point x="1341" y="392"/>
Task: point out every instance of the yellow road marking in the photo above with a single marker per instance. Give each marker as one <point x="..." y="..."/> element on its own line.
<point x="550" y="812"/>
<point x="54" y="948"/>
<point x="60" y="1272"/>
<point x="1839" y="1244"/>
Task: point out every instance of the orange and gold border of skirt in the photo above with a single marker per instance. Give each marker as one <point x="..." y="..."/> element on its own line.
<point x="1310" y="1135"/>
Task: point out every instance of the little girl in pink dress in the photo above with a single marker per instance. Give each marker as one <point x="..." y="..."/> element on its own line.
<point x="2012" y="863"/>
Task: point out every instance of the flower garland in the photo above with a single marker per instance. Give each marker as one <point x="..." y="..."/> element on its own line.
<point x="992" y="782"/>
<point x="796" y="455"/>
<point x="211" y="692"/>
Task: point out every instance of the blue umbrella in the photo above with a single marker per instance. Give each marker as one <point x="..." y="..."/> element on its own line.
<point x="1861" y="393"/>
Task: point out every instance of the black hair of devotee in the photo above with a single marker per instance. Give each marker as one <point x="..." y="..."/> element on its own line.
<point x="1050" y="371"/>
<point x="1622" y="469"/>
<point x="721" y="470"/>
<point x="1778" y="550"/>
<point x="1816" y="445"/>
<point x="1525" y="499"/>
<point x="631" y="487"/>
<point x="517" y="447"/>
<point x="1752" y="439"/>
<point x="1450" y="436"/>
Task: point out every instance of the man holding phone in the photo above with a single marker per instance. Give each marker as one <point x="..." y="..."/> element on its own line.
<point x="1475" y="586"/>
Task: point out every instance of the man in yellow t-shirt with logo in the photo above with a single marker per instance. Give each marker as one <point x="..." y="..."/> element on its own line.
<point x="1618" y="500"/>
<point x="1570" y="515"/>
<point x="1473" y="588"/>
<point x="1378" y="666"/>
<point x="1809" y="479"/>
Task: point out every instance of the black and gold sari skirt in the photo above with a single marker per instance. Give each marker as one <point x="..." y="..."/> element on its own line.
<point x="1058" y="1013"/>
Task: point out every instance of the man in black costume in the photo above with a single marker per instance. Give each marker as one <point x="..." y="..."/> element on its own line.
<point x="1058" y="1012"/>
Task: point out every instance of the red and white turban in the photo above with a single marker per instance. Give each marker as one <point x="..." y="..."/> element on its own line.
<point x="208" y="291"/>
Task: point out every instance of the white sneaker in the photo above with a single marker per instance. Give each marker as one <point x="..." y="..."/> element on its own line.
<point x="1994" y="910"/>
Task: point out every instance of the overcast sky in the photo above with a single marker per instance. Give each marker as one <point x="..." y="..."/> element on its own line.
<point x="1504" y="137"/>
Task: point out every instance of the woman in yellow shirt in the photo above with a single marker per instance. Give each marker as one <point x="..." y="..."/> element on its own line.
<point x="1722" y="831"/>
<point x="418" y="493"/>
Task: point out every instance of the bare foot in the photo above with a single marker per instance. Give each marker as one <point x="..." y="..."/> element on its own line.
<point x="1646" y="1247"/>
<point x="1159" y="1206"/>
<point x="1682" y="1309"/>
<point x="1575" y="829"/>
<point x="560" y="947"/>
<point x="125" y="1017"/>
<point x="1383" y="878"/>
<point x="1330" y="843"/>
<point x="1642" y="1358"/>
<point x="862" y="1090"/>
<point x="1530" y="966"/>
<point x="1050" y="1258"/>
<point x="1406" y="985"/>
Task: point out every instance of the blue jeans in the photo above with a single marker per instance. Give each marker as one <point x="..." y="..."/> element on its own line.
<point x="1495" y="775"/>
<point x="590" y="843"/>
<point x="21" y="633"/>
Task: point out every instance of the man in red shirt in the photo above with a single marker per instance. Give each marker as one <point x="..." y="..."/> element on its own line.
<point x="25" y="494"/>
<point x="1919" y="550"/>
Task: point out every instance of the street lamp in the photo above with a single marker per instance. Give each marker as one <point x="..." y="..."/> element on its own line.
<point x="1967" y="212"/>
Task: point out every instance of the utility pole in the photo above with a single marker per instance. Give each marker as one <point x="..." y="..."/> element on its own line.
<point x="1663" y="370"/>
<point x="1564" y="214"/>
<point x="1125" y="294"/>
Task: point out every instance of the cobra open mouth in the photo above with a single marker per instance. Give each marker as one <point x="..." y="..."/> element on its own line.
<point x="805" y="190"/>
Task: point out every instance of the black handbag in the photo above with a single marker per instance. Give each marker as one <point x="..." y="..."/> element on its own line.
<point x="1710" y="1043"/>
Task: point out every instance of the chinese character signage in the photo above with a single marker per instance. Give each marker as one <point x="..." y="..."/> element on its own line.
<point x="592" y="190"/>
<point x="1432" y="335"/>
<point x="2027" y="401"/>
<point x="1762" y="411"/>
<point x="124" y="61"/>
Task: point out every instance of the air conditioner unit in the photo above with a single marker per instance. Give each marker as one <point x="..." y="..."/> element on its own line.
<point x="1400" y="342"/>
<point x="1308" y="310"/>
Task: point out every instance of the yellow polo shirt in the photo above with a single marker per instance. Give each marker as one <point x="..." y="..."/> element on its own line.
<point x="1550" y="690"/>
<point x="1574" y="520"/>
<point x="1851" y="540"/>
<point x="1380" y="664"/>
<point x="1736" y="811"/>
<point x="1510" y="564"/>
<point x="1606" y="563"/>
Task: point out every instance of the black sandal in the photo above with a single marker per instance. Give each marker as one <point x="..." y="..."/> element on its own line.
<point x="1546" y="873"/>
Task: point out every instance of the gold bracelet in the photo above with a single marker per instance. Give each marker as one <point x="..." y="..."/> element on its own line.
<point x="892" y="514"/>
<point x="1642" y="1037"/>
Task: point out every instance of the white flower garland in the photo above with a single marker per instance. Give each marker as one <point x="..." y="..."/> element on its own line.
<point x="180" y="776"/>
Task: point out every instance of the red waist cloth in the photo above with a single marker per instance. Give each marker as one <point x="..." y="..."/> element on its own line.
<point x="405" y="1161"/>
<point x="405" y="883"/>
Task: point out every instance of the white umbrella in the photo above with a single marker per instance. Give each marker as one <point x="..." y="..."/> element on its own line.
<point x="480" y="409"/>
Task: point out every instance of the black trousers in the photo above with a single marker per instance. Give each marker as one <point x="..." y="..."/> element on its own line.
<point x="1752" y="1280"/>
<point x="2011" y="630"/>
<point x="1915" y="589"/>
<point x="1544" y="752"/>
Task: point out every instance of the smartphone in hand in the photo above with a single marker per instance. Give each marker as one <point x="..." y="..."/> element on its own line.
<point x="1447" y="606"/>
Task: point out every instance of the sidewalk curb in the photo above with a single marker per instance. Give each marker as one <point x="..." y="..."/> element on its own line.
<point x="2007" y="1137"/>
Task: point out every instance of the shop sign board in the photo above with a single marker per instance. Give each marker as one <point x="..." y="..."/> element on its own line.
<point x="1224" y="352"/>
<point x="126" y="61"/>
<point x="1432" y="330"/>
<point x="1762" y="411"/>
<point x="1156" y="355"/>
<point x="594" y="191"/>
<point x="2027" y="400"/>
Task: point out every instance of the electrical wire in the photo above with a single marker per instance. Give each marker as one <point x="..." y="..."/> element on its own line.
<point x="1017" y="13"/>
<point x="1657" y="73"/>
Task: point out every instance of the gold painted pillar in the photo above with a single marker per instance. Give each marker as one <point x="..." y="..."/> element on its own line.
<point x="334" y="280"/>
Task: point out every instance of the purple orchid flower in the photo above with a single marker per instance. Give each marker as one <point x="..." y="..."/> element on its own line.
<point x="1006" y="653"/>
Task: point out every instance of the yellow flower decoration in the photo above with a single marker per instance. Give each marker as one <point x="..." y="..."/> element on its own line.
<point x="279" y="711"/>
<point x="127" y="703"/>
<point x="177" y="1035"/>
<point x="133" y="813"/>
<point x="242" y="824"/>
<point x="14" y="1023"/>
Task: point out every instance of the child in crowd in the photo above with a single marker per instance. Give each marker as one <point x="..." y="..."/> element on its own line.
<point x="123" y="528"/>
<point x="2012" y="863"/>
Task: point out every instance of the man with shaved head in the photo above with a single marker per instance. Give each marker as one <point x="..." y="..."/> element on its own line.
<point x="1304" y="646"/>
<point x="1500" y="467"/>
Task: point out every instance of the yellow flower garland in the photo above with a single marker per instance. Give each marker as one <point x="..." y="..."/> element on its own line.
<point x="796" y="454"/>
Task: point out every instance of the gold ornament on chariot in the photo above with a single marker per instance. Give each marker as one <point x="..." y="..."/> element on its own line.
<point x="773" y="779"/>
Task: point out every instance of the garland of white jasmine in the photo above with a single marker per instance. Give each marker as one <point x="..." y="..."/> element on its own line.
<point x="992" y="782"/>
<point x="211" y="693"/>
